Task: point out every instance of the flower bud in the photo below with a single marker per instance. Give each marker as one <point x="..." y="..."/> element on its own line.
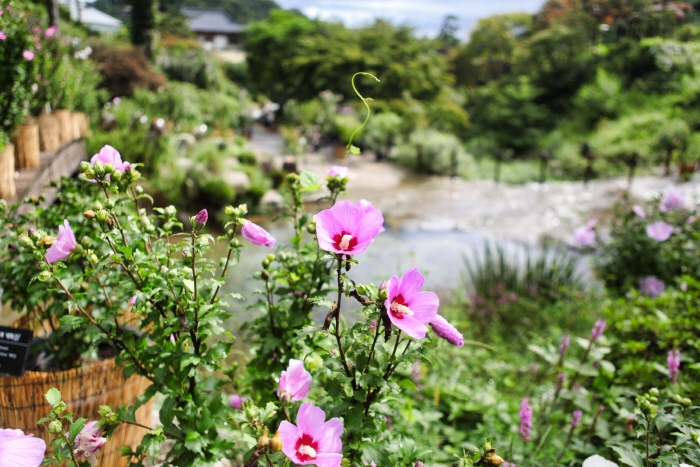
<point x="59" y="408"/>
<point x="654" y="391"/>
<point x="234" y="243"/>
<point x="97" y="206"/>
<point x="109" y="168"/>
<point x="109" y="204"/>
<point x="89" y="214"/>
<point x="56" y="427"/>
<point x="85" y="166"/>
<point x="311" y="227"/>
<point x="25" y="241"/>
<point x="44" y="276"/>
<point x="230" y="210"/>
<point x="418" y="464"/>
<point x="383" y="294"/>
<point x="292" y="177"/>
<point x="105" y="410"/>
<point x="48" y="240"/>
<point x="102" y="216"/>
<point x="138" y="189"/>
<point x="170" y="211"/>
<point x="93" y="258"/>
<point x="116" y="176"/>
<point x="265" y="275"/>
<point x="264" y="440"/>
<point x="265" y="263"/>
<point x="276" y="442"/>
<point x="345" y="462"/>
<point x="99" y="168"/>
<point x="271" y="257"/>
<point x="493" y="459"/>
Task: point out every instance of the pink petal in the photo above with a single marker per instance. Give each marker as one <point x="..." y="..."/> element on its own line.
<point x="310" y="419"/>
<point x="411" y="283"/>
<point x="347" y="216"/>
<point x="290" y="435"/>
<point x="328" y="437"/>
<point x="410" y="325"/>
<point x="18" y="450"/>
<point x="424" y="306"/>
<point x="327" y="460"/>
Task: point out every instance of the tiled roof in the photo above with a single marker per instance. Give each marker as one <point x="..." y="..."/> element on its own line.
<point x="212" y="21"/>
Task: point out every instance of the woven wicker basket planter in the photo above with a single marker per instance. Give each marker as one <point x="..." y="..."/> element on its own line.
<point x="78" y="122"/>
<point x="65" y="125"/>
<point x="7" y="173"/>
<point x="26" y="142"/>
<point x="49" y="133"/>
<point x="84" y="389"/>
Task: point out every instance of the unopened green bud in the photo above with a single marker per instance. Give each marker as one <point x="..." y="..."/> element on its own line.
<point x="116" y="175"/>
<point x="138" y="189"/>
<point x="229" y="210"/>
<point x="56" y="427"/>
<point x="105" y="410"/>
<point x="383" y="294"/>
<point x="99" y="168"/>
<point x="25" y="241"/>
<point x="292" y="177"/>
<point x="84" y="166"/>
<point x="44" y="276"/>
<point x="59" y="408"/>
<point x="487" y="446"/>
<point x="109" y="168"/>
<point x="311" y="227"/>
<point x="265" y="263"/>
<point x="170" y="211"/>
<point x="654" y="391"/>
<point x="97" y="205"/>
<point x="109" y="204"/>
<point x="93" y="258"/>
<point x="242" y="209"/>
<point x="686" y="402"/>
<point x="102" y="216"/>
<point x="235" y="243"/>
<point x="345" y="462"/>
<point x="271" y="257"/>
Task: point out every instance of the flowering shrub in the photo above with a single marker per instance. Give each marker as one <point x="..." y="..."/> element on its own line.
<point x="111" y="256"/>
<point x="659" y="240"/>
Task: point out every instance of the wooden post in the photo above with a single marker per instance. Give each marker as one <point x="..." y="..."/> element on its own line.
<point x="497" y="167"/>
<point x="7" y="173"/>
<point x="26" y="142"/>
<point x="52" y="9"/>
<point x="632" y="161"/>
<point x="545" y="155"/>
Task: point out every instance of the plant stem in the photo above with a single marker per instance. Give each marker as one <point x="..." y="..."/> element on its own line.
<point x="344" y="361"/>
<point x="166" y="433"/>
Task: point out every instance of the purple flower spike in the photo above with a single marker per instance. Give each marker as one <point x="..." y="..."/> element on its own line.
<point x="598" y="330"/>
<point x="659" y="231"/>
<point x="346" y="228"/>
<point x="442" y="328"/>
<point x="294" y="382"/>
<point x="64" y="245"/>
<point x="257" y="235"/>
<point x="409" y="308"/>
<point x="671" y="199"/>
<point x="20" y="450"/>
<point x="565" y="343"/>
<point x="651" y="286"/>
<point x="576" y="418"/>
<point x="525" y="419"/>
<point x="674" y="364"/>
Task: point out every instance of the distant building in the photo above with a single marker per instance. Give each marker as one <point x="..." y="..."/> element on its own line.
<point x="91" y="17"/>
<point x="214" y="29"/>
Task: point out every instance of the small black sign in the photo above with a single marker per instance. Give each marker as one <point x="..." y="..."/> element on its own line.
<point x="14" y="347"/>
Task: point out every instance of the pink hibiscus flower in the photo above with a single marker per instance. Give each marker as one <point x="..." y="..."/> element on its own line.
<point x="659" y="231"/>
<point x="346" y="228"/>
<point x="338" y="171"/>
<point x="64" y="245"/>
<point x="294" y="382"/>
<point x="109" y="155"/>
<point x="368" y="208"/>
<point x="408" y="307"/>
<point x="313" y="441"/>
<point x="88" y="442"/>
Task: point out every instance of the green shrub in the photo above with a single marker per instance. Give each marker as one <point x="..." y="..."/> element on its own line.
<point x="216" y="193"/>
<point x="433" y="152"/>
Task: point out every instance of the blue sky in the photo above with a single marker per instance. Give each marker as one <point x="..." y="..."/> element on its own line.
<point x="425" y="15"/>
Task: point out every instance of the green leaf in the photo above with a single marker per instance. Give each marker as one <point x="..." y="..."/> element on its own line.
<point x="194" y="442"/>
<point x="75" y="428"/>
<point x="53" y="397"/>
<point x="355" y="150"/>
<point x="628" y="456"/>
<point x="307" y="179"/>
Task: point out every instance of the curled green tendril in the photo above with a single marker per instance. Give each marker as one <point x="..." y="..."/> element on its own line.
<point x="365" y="101"/>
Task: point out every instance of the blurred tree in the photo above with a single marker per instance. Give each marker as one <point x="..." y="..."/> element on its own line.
<point x="142" y="22"/>
<point x="448" y="33"/>
<point x="491" y="50"/>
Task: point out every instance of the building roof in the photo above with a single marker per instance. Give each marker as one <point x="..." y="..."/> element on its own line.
<point x="92" y="17"/>
<point x="211" y="21"/>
